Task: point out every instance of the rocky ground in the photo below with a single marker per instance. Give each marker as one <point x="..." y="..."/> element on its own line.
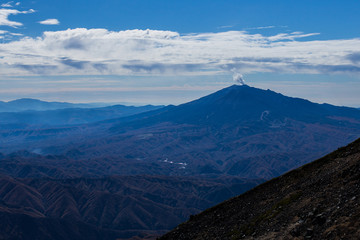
<point x="320" y="200"/>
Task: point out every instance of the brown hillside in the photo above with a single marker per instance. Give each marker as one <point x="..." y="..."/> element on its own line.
<point x="106" y="208"/>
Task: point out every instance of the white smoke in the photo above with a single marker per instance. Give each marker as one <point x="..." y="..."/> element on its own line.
<point x="238" y="78"/>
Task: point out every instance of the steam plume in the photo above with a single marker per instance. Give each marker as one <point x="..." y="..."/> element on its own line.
<point x="238" y="78"/>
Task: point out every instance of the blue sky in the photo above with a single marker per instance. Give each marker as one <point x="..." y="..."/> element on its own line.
<point x="147" y="51"/>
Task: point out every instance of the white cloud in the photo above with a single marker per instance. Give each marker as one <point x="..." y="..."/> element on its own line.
<point x="292" y="36"/>
<point x="226" y="26"/>
<point x="3" y="34"/>
<point x="51" y="21"/>
<point x="8" y="4"/>
<point x="99" y="51"/>
<point x="9" y="35"/>
<point x="5" y="13"/>
<point x="16" y="34"/>
<point x="259" y="28"/>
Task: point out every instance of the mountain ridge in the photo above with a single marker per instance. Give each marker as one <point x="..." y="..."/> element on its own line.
<point x="239" y="130"/>
<point x="236" y="136"/>
<point x="28" y="104"/>
<point x="319" y="200"/>
<point x="120" y="207"/>
<point x="68" y="116"/>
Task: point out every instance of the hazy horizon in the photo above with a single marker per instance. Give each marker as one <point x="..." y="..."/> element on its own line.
<point x="137" y="52"/>
<point x="197" y="96"/>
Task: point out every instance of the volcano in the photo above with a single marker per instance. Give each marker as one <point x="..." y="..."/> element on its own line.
<point x="239" y="131"/>
<point x="143" y="174"/>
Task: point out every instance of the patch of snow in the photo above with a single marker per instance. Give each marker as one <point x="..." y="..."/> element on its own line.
<point x="183" y="165"/>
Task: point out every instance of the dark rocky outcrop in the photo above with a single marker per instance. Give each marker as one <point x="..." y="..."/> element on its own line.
<point x="320" y="200"/>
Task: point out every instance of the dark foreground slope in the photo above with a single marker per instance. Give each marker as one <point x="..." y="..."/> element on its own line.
<point x="320" y="200"/>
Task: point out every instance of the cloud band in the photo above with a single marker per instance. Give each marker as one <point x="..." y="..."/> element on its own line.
<point x="99" y="51"/>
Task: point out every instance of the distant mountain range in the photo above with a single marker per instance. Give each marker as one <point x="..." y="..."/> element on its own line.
<point x="67" y="116"/>
<point x="29" y="104"/>
<point x="320" y="200"/>
<point x="192" y="155"/>
<point x="240" y="131"/>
